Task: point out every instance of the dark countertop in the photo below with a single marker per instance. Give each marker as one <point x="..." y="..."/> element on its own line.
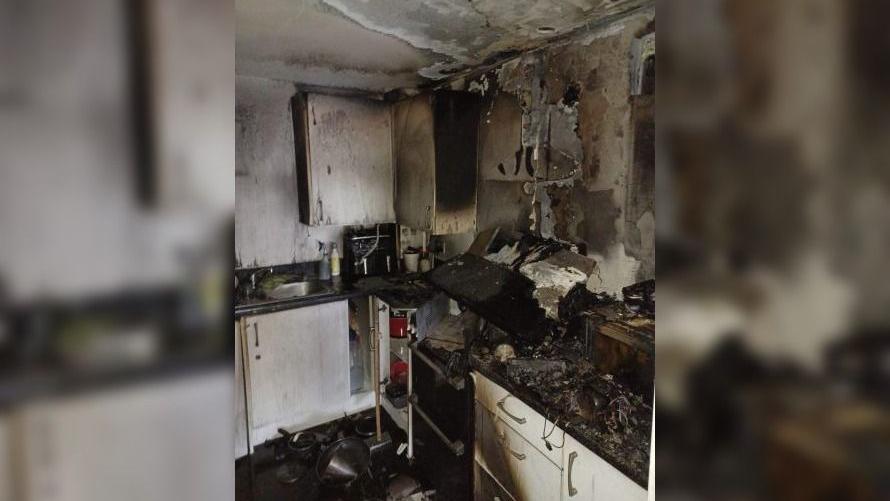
<point x="334" y="291"/>
<point x="398" y="291"/>
<point x="593" y="408"/>
<point x="562" y="366"/>
<point x="628" y="453"/>
<point x="401" y="292"/>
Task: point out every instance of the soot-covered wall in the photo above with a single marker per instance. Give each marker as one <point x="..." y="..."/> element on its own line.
<point x="268" y="230"/>
<point x="566" y="150"/>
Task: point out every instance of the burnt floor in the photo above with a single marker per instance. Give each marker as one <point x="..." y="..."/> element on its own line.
<point x="435" y="468"/>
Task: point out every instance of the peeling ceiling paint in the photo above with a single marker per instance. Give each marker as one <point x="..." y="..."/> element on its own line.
<point x="304" y="42"/>
<point x="382" y="45"/>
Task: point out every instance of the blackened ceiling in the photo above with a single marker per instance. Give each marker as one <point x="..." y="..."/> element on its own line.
<point x="380" y="45"/>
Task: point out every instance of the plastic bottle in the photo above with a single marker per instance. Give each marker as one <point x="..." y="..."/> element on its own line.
<point x="335" y="261"/>
<point x="324" y="266"/>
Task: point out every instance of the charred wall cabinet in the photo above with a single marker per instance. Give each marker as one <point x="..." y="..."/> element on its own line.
<point x="435" y="150"/>
<point x="344" y="160"/>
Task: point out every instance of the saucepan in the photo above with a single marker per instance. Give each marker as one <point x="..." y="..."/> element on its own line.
<point x="343" y="461"/>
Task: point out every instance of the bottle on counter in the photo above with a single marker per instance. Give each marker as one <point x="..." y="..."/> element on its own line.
<point x="335" y="261"/>
<point x="324" y="266"/>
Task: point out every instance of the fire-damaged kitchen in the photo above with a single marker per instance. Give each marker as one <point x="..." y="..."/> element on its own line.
<point x="444" y="250"/>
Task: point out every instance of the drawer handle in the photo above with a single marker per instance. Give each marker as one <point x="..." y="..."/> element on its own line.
<point x="572" y="456"/>
<point x="520" y="420"/>
<point x="256" y="338"/>
<point x="502" y="438"/>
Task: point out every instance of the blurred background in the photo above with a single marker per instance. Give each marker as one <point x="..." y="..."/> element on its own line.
<point x="116" y="223"/>
<point x="773" y="194"/>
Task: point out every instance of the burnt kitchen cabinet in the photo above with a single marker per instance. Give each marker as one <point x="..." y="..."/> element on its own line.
<point x="435" y="150"/>
<point x="588" y="477"/>
<point x="344" y="160"/>
<point x="511" y="449"/>
<point x="240" y="401"/>
<point x="296" y="370"/>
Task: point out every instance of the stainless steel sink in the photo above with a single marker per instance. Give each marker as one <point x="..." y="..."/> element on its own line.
<point x="297" y="289"/>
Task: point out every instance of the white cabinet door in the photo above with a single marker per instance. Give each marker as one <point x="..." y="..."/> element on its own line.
<point x="415" y="153"/>
<point x="350" y="161"/>
<point x="297" y="368"/>
<point x="383" y="337"/>
<point x="519" y="416"/>
<point x="240" y="403"/>
<point x="523" y="471"/>
<point x="587" y="477"/>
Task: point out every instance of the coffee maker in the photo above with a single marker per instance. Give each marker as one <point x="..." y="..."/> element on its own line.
<point x="369" y="251"/>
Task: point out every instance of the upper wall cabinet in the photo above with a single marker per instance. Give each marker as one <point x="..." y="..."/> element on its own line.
<point x="344" y="158"/>
<point x="435" y="141"/>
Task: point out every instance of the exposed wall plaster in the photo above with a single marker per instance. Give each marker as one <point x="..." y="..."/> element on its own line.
<point x="614" y="270"/>
<point x="552" y="283"/>
<point x="578" y="132"/>
<point x="267" y="227"/>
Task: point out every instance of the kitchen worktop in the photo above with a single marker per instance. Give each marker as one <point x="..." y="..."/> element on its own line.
<point x="582" y="360"/>
<point x="596" y="409"/>
<point x="402" y="291"/>
<point x="332" y="291"/>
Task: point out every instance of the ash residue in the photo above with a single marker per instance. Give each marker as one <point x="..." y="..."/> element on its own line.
<point x="595" y="408"/>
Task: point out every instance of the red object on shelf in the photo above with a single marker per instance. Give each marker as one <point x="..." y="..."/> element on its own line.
<point x="398" y="324"/>
<point x="398" y="372"/>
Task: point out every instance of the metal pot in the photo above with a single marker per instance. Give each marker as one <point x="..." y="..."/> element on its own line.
<point x="366" y="426"/>
<point x="304" y="446"/>
<point x="343" y="461"/>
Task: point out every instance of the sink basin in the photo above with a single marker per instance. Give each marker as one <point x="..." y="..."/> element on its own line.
<point x="296" y="289"/>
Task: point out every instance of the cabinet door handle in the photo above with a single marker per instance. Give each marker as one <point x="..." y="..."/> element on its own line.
<point x="502" y="438"/>
<point x="256" y="337"/>
<point x="572" y="456"/>
<point x="520" y="420"/>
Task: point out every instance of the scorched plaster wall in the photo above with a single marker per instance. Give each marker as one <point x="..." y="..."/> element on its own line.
<point x="267" y="226"/>
<point x="595" y="149"/>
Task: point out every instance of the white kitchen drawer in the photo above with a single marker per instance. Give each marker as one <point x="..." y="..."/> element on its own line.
<point x="486" y="488"/>
<point x="521" y="418"/>
<point x="588" y="477"/>
<point x="522" y="470"/>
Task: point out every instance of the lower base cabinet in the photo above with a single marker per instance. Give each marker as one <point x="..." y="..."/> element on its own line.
<point x="296" y="369"/>
<point x="509" y="466"/>
<point x="587" y="477"/>
<point x="519" y="469"/>
<point x="486" y="488"/>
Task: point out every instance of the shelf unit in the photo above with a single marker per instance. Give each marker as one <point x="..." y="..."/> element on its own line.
<point x="420" y="319"/>
<point x="400" y="416"/>
<point x="399" y="347"/>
